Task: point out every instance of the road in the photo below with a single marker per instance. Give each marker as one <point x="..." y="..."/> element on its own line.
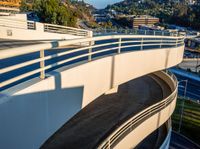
<point x="193" y="87"/>
<point x="192" y="64"/>
<point x="97" y="120"/>
<point x="180" y="142"/>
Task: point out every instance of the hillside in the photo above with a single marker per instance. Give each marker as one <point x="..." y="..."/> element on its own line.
<point x="62" y="12"/>
<point x="180" y="13"/>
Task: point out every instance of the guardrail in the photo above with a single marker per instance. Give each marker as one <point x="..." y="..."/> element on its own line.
<point x="137" y="119"/>
<point x="51" y="28"/>
<point x="65" y="30"/>
<point x="105" y="31"/>
<point x="92" y="48"/>
<point x="17" y="24"/>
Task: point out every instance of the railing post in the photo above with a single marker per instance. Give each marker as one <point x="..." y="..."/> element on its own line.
<point x="119" y="46"/>
<point x="145" y="32"/>
<point x="154" y="33"/>
<point x="109" y="145"/>
<point x="142" y="44"/>
<point x="176" y="42"/>
<point x="90" y="51"/>
<point x="42" y="65"/>
<point x="161" y="42"/>
<point x="162" y="33"/>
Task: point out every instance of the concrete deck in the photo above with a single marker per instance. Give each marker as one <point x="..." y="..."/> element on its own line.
<point x="92" y="124"/>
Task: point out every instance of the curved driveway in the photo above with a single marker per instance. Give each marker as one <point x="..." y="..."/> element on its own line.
<point x="97" y="120"/>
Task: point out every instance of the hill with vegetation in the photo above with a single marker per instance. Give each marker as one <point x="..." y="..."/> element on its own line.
<point x="179" y="13"/>
<point x="61" y="12"/>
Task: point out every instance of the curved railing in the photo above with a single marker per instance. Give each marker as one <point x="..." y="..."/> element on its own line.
<point x="51" y="28"/>
<point x="84" y="50"/>
<point x="136" y="120"/>
<point x="105" y="31"/>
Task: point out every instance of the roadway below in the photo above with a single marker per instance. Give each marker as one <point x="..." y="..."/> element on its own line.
<point x="96" y="121"/>
<point x="179" y="141"/>
<point x="193" y="83"/>
<point x="192" y="64"/>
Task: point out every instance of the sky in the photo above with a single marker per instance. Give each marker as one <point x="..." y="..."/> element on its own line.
<point x="101" y="3"/>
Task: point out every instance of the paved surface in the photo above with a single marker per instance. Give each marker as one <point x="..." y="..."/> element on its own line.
<point x="181" y="142"/>
<point x="86" y="129"/>
<point x="193" y="65"/>
<point x="193" y="85"/>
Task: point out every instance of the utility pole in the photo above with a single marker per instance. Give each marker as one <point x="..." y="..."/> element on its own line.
<point x="183" y="104"/>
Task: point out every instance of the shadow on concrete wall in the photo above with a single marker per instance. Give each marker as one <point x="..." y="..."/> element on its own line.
<point x="28" y="120"/>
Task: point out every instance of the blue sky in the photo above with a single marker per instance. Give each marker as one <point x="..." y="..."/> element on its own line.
<point x="101" y="3"/>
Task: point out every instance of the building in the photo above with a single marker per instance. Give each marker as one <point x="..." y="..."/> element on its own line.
<point x="144" y="20"/>
<point x="134" y="21"/>
<point x="9" y="6"/>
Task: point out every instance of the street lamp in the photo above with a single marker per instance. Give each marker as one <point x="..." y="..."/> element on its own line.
<point x="183" y="103"/>
<point x="197" y="63"/>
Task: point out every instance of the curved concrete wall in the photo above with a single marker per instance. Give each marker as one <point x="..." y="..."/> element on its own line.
<point x="146" y="128"/>
<point x="150" y="124"/>
<point x="37" y="108"/>
<point x="166" y="143"/>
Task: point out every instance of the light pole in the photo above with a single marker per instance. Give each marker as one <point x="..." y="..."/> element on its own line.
<point x="183" y="103"/>
<point x="197" y="63"/>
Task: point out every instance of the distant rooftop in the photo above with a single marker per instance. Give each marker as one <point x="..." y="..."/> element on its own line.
<point x="137" y="16"/>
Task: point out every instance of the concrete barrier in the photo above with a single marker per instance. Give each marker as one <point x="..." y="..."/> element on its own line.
<point x="33" y="110"/>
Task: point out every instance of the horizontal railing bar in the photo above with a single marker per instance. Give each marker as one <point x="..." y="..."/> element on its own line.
<point x="67" y="52"/>
<point x="3" y="84"/>
<point x="17" y="66"/>
<point x="7" y="53"/>
<point x="40" y="69"/>
<point x="101" y="51"/>
<point x="46" y="24"/>
<point x="135" y="41"/>
<point x="64" y="29"/>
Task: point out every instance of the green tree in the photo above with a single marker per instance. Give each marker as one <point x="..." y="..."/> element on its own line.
<point x="55" y="12"/>
<point x="24" y="7"/>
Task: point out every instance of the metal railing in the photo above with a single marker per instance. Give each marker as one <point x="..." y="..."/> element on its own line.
<point x="51" y="28"/>
<point x="105" y="31"/>
<point x="17" y="24"/>
<point x="137" y="119"/>
<point x="92" y="48"/>
<point x="65" y="30"/>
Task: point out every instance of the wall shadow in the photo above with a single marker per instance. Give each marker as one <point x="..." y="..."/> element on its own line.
<point x="28" y="120"/>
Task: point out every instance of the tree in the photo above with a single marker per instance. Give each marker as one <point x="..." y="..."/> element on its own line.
<point x="54" y="11"/>
<point x="24" y="7"/>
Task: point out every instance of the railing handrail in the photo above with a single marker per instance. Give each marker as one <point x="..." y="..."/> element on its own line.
<point x="117" y="45"/>
<point x="108" y="142"/>
<point x="8" y="53"/>
<point x="15" y="20"/>
<point x="66" y="27"/>
<point x="104" y="31"/>
<point x="12" y="23"/>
